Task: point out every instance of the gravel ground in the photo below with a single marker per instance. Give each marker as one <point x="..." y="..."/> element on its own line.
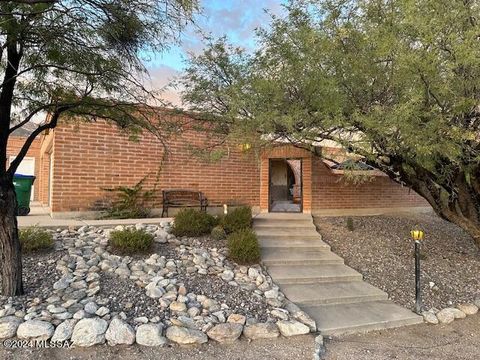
<point x="380" y="248"/>
<point x="456" y="341"/>
<point x="298" y="348"/>
<point x="239" y="300"/>
<point x="39" y="274"/>
<point x="126" y="296"/>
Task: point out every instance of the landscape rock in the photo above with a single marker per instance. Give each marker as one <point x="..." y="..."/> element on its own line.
<point x="226" y="332"/>
<point x="261" y="331"/>
<point x="35" y="330"/>
<point x="185" y="336"/>
<point x="468" y="309"/>
<point x="429" y="317"/>
<point x="64" y="331"/>
<point x="9" y="326"/>
<point x="150" y="335"/>
<point x="292" y="328"/>
<point x="237" y="319"/>
<point x="88" y="332"/>
<point x="446" y="316"/>
<point x="119" y="333"/>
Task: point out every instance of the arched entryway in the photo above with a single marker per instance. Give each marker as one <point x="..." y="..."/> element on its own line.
<point x="285" y="185"/>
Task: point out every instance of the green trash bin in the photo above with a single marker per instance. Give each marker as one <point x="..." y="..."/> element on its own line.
<point x="23" y="188"/>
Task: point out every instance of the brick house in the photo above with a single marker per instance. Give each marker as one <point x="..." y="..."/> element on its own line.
<point x="76" y="162"/>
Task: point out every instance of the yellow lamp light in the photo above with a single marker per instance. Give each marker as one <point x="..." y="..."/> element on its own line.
<point x="417" y="235"/>
<point x="245" y="147"/>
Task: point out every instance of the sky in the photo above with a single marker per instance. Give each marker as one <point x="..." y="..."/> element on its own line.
<point x="236" y="19"/>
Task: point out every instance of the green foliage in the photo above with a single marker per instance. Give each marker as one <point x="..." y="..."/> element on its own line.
<point x="238" y="219"/>
<point x="394" y="82"/>
<point x="130" y="241"/>
<point x="191" y="222"/>
<point x="130" y="202"/>
<point x="218" y="233"/>
<point x="35" y="239"/>
<point x="350" y="225"/>
<point x="243" y="247"/>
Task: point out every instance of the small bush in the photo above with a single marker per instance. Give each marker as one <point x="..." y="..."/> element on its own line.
<point x="130" y="202"/>
<point x="131" y="240"/>
<point x="238" y="219"/>
<point x="190" y="222"/>
<point x="34" y="239"/>
<point x="350" y="225"/>
<point x="218" y="233"/>
<point x="243" y="247"/>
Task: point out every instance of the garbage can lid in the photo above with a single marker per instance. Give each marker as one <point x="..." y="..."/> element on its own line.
<point x="21" y="176"/>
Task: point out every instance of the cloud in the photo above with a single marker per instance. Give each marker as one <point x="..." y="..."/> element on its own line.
<point x="160" y="79"/>
<point x="236" y="19"/>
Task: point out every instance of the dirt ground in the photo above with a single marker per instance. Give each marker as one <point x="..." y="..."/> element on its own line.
<point x="294" y="348"/>
<point x="459" y="340"/>
<point x="380" y="248"/>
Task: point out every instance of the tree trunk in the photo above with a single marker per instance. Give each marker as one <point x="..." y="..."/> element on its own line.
<point x="458" y="203"/>
<point x="10" y="249"/>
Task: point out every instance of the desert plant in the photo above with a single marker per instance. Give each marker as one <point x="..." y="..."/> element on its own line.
<point x="35" y="239"/>
<point x="191" y="222"/>
<point x="350" y="225"/>
<point x="130" y="202"/>
<point x="130" y="240"/>
<point x="238" y="219"/>
<point x="243" y="247"/>
<point x="218" y="233"/>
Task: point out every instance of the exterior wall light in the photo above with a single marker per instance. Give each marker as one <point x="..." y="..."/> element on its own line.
<point x="245" y="147"/>
<point x="417" y="236"/>
<point x="225" y="209"/>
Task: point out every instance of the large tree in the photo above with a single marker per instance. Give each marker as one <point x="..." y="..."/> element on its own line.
<point x="81" y="58"/>
<point x="394" y="81"/>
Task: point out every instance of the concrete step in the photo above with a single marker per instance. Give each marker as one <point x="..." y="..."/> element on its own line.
<point x="280" y="256"/>
<point x="283" y="216"/>
<point x="312" y="274"/>
<point x="283" y="223"/>
<point x="340" y="319"/>
<point x="293" y="244"/>
<point x="289" y="238"/>
<point x="286" y="232"/>
<point x="333" y="293"/>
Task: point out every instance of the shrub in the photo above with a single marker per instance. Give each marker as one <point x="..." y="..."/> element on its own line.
<point x="218" y="233"/>
<point x="34" y="239"/>
<point x="190" y="222"/>
<point x="131" y="240"/>
<point x="238" y="219"/>
<point x="130" y="202"/>
<point x="243" y="247"/>
<point x="350" y="225"/>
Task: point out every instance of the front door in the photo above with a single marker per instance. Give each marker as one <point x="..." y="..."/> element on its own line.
<point x="285" y="185"/>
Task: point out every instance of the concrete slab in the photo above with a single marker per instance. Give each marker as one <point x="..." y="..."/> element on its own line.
<point x="336" y="292"/>
<point x="340" y="319"/>
<point x="312" y="274"/>
<point x="279" y="256"/>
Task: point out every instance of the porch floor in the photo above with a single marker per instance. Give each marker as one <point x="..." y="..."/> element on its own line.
<point x="284" y="206"/>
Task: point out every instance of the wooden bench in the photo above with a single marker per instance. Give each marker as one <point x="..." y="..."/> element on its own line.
<point x="178" y="198"/>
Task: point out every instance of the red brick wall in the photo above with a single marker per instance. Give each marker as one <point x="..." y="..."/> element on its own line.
<point x="89" y="157"/>
<point x="14" y="146"/>
<point x="331" y="191"/>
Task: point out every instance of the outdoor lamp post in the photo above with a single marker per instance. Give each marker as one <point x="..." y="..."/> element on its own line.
<point x="417" y="236"/>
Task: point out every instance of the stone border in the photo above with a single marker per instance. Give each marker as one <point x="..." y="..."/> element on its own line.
<point x="449" y="314"/>
<point x="73" y="312"/>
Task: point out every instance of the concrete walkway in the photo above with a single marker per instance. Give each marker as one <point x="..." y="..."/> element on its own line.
<point x="40" y="217"/>
<point x="315" y="278"/>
